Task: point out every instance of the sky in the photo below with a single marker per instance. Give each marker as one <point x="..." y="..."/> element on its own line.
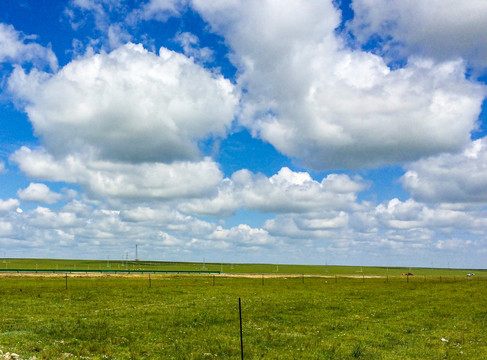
<point x="346" y="132"/>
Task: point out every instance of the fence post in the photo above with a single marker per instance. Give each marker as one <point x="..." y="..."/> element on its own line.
<point x="262" y="279"/>
<point x="241" y="335"/>
<point x="150" y="283"/>
<point x="66" y="281"/>
<point x="213" y="280"/>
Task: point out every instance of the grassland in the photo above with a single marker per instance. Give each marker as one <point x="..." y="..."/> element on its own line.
<point x="196" y="317"/>
<point x="436" y="314"/>
<point x="228" y="268"/>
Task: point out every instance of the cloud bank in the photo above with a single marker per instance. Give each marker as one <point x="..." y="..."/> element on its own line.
<point x="329" y="106"/>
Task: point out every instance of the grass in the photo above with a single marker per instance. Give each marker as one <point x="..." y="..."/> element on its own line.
<point x="187" y="317"/>
<point x="116" y="265"/>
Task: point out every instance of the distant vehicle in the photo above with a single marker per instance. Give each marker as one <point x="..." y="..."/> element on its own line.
<point x="469" y="274"/>
<point x="407" y="274"/>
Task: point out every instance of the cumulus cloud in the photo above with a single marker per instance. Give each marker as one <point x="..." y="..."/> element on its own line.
<point x="128" y="105"/>
<point x="8" y="205"/>
<point x="330" y="107"/>
<point x="242" y="236"/>
<point x="42" y="217"/>
<point x="37" y="192"/>
<point x="285" y="192"/>
<point x="323" y="225"/>
<point x="450" y="178"/>
<point x="190" y="44"/>
<point x="123" y="180"/>
<point x="158" y="9"/>
<point x="442" y="29"/>
<point x="410" y="214"/>
<point x="18" y="48"/>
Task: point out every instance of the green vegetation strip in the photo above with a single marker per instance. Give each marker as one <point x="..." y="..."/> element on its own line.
<point x="69" y="271"/>
<point x="196" y="317"/>
<point x="227" y="268"/>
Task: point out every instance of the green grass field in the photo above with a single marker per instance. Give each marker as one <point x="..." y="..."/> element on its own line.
<point x="121" y="265"/>
<point x="288" y="317"/>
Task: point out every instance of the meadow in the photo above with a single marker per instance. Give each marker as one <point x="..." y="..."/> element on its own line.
<point x="159" y="316"/>
<point x="227" y="268"/>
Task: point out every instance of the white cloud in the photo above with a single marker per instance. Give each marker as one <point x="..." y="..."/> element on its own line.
<point x="2" y="167"/>
<point x="8" y="205"/>
<point x="329" y="106"/>
<point x="191" y="48"/>
<point x="99" y="9"/>
<point x="18" y="48"/>
<point x="123" y="180"/>
<point x="37" y="192"/>
<point x="285" y="192"/>
<point x="410" y="214"/>
<point x="169" y="240"/>
<point x="450" y="178"/>
<point x="330" y="226"/>
<point x="159" y="9"/>
<point x="42" y="217"/>
<point x="242" y="235"/>
<point x="443" y="29"/>
<point x="128" y="105"/>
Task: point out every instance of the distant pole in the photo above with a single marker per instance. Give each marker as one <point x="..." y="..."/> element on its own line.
<point x="241" y="334"/>
<point x="66" y="281"/>
<point x="136" y="254"/>
<point x="150" y="284"/>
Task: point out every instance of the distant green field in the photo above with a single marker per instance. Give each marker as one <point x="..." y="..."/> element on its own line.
<point x="120" y="265"/>
<point x="196" y="317"/>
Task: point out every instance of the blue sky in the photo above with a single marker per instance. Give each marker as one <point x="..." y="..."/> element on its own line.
<point x="315" y="132"/>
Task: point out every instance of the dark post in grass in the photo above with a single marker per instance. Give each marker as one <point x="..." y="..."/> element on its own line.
<point x="241" y="335"/>
<point x="262" y="279"/>
<point x="66" y="281"/>
<point x="150" y="283"/>
<point x="213" y="280"/>
<point x="303" y="278"/>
